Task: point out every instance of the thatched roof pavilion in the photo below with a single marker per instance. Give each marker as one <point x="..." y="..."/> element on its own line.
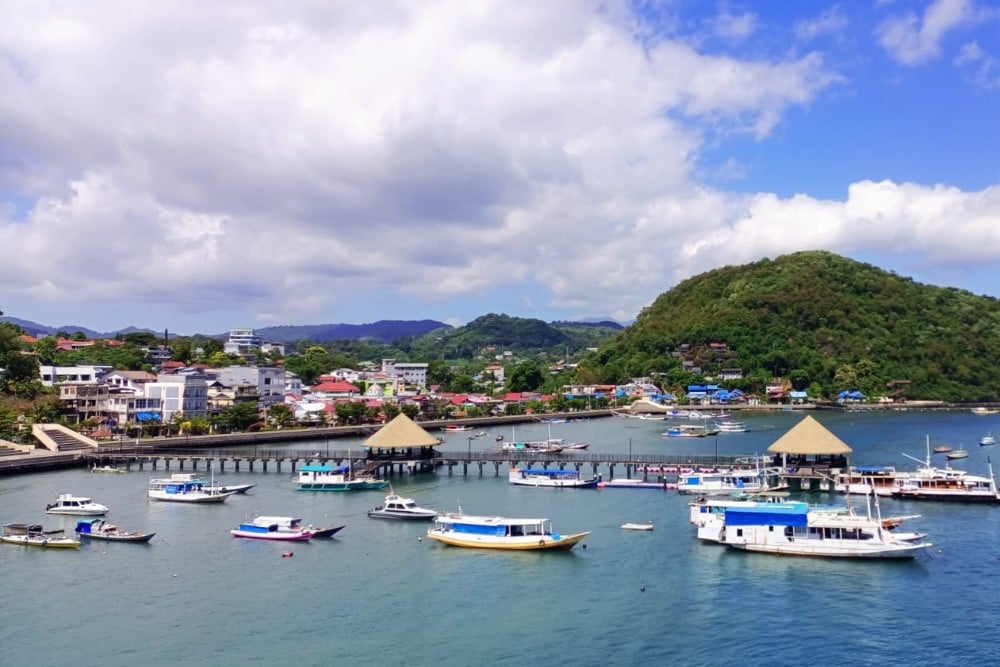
<point x="401" y="438"/>
<point x="811" y="441"/>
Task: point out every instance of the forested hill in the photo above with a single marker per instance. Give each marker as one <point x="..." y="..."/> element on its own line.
<point x="823" y="322"/>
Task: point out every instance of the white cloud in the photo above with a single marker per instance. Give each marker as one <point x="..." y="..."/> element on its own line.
<point x="286" y="163"/>
<point x="832" y="21"/>
<point x="911" y="40"/>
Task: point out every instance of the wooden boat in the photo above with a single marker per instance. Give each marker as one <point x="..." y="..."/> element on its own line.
<point x="33" y="535"/>
<point x="956" y="454"/>
<point x="943" y="449"/>
<point x="496" y="532"/>
<point x="637" y="526"/>
<point x="67" y="503"/>
<point x="99" y="529"/>
<point x="456" y="428"/>
<point x="401" y="509"/>
<point x="325" y="532"/>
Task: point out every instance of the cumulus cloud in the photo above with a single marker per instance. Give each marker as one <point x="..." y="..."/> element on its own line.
<point x="289" y="162"/>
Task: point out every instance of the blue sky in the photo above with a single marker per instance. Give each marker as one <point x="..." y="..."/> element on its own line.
<point x="201" y="166"/>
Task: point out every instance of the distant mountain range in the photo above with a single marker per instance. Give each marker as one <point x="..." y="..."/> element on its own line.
<point x="382" y="331"/>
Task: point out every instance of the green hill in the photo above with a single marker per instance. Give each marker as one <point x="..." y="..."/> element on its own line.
<point x="822" y="322"/>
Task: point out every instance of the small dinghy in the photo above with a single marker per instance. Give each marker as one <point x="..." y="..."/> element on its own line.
<point x="637" y="526"/>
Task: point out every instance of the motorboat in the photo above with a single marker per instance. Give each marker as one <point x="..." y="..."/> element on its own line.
<point x="33" y="535"/>
<point x="637" y="526"/>
<point x="281" y="528"/>
<point x="99" y="529"/>
<point x="551" y="478"/>
<point x="325" y="532"/>
<point x="631" y="483"/>
<point x="330" y="478"/>
<point x="67" y="503"/>
<point x="497" y="532"/>
<point x="401" y="509"/>
<point x="531" y="447"/>
<point x="456" y="428"/>
<point x="186" y="488"/>
<point x="108" y="469"/>
<point x="231" y="488"/>
<point x="987" y="440"/>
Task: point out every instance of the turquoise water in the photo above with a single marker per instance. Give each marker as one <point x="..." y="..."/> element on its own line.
<point x="378" y="592"/>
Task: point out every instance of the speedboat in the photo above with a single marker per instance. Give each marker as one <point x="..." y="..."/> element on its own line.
<point x="551" y="478"/>
<point x="99" y="529"/>
<point x="399" y="508"/>
<point x="67" y="503"/>
<point x="497" y="532"/>
<point x="32" y="535"/>
<point x="283" y="528"/>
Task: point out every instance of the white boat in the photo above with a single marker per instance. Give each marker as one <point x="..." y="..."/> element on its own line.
<point x="280" y="528"/>
<point x="456" y="428"/>
<point x="108" y="469"/>
<point x="689" y="431"/>
<point x="791" y="528"/>
<point x="531" y="447"/>
<point x="629" y="483"/>
<point x="731" y="427"/>
<point x="723" y="482"/>
<point x="551" y="478"/>
<point x="637" y="526"/>
<point x="33" y="535"/>
<point x="231" y="488"/>
<point x="401" y="509"/>
<point x="186" y="488"/>
<point x="984" y="411"/>
<point x="987" y="440"/>
<point x="67" y="503"/>
<point x="340" y="478"/>
<point x="497" y="532"/>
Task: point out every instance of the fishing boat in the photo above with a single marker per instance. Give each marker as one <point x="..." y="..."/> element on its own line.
<point x="325" y="532"/>
<point x="330" y="478"/>
<point x="231" y="488"/>
<point x="531" y="447"/>
<point x="987" y="440"/>
<point x="401" y="509"/>
<point x="33" y="535"/>
<point x="637" y="526"/>
<point x="942" y="449"/>
<point x="551" y="478"/>
<point x="497" y="532"/>
<point x="67" y="503"/>
<point x="99" y="529"/>
<point x="186" y="488"/>
<point x="456" y="428"/>
<point x="690" y="431"/>
<point x="280" y="528"/>
<point x="957" y="454"/>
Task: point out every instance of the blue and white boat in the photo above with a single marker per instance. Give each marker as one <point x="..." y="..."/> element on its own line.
<point x="330" y="478"/>
<point x="551" y="478"/>
<point x="723" y="482"/>
<point x="281" y="528"/>
<point x="186" y="488"/>
<point x="792" y="528"/>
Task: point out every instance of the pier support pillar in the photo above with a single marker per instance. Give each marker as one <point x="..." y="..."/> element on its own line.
<point x="236" y="462"/>
<point x="263" y="462"/>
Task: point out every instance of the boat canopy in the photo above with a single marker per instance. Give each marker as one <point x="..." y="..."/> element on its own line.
<point x="549" y="472"/>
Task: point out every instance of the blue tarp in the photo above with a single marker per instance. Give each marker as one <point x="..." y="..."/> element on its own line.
<point x="147" y="416"/>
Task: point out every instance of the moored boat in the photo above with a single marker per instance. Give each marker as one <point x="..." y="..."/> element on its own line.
<point x="280" y="528"/>
<point x="67" y="503"/>
<point x="531" y="447"/>
<point x="957" y="454"/>
<point x="340" y="478"/>
<point x="723" y="482"/>
<point x="638" y="526"/>
<point x="987" y="440"/>
<point x="33" y="535"/>
<point x="456" y="428"/>
<point x="99" y="529"/>
<point x="496" y="532"/>
<point x="108" y="469"/>
<point x="186" y="488"/>
<point x="630" y="483"/>
<point x="551" y="478"/>
<point x="402" y="509"/>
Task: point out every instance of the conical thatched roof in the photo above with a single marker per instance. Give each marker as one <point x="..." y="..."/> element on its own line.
<point x="811" y="438"/>
<point x="401" y="432"/>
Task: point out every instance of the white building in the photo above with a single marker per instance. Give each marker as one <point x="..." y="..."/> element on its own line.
<point x="246" y="341"/>
<point x="179" y="393"/>
<point x="412" y="374"/>
<point x="53" y="375"/>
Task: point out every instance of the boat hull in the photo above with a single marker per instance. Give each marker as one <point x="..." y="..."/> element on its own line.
<point x="138" y="537"/>
<point x="274" y="536"/>
<point x="326" y="532"/>
<point x="45" y="542"/>
<point x="198" y="498"/>
<point x="525" y="543"/>
<point x="401" y="516"/>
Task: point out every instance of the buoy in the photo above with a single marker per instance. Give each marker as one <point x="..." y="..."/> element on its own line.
<point x="420" y="539"/>
<point x="287" y="554"/>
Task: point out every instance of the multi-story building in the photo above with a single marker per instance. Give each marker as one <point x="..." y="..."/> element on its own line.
<point x="269" y="381"/>
<point x="53" y="375"/>
<point x="186" y="394"/>
<point x="412" y="374"/>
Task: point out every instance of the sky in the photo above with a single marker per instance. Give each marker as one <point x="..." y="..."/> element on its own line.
<point x="200" y="166"/>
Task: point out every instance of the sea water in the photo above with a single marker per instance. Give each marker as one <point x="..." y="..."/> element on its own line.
<point x="379" y="592"/>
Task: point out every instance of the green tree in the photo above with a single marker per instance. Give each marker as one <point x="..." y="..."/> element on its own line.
<point x="525" y="376"/>
<point x="279" y="415"/>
